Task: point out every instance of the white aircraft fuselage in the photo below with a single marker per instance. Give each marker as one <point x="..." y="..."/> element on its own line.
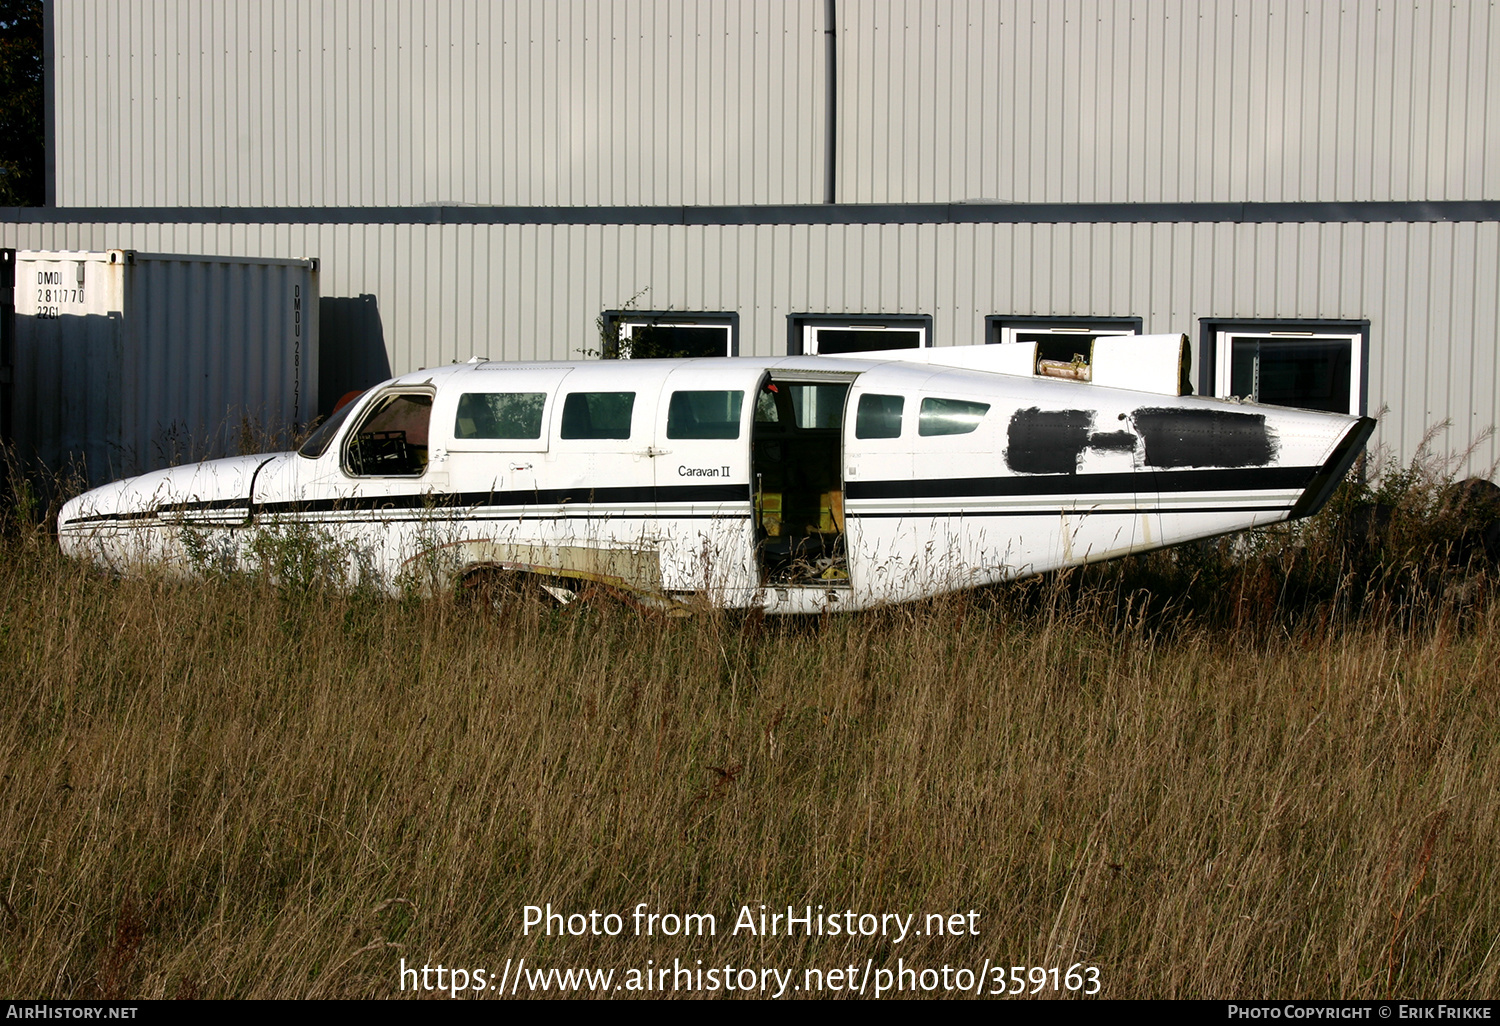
<point x="793" y="485"/>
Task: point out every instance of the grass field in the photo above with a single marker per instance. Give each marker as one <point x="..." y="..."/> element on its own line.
<point x="1265" y="770"/>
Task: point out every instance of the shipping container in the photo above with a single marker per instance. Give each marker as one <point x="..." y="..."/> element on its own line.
<point x="7" y="329"/>
<point x="125" y="362"/>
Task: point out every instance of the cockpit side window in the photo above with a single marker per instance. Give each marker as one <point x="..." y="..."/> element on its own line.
<point x="391" y="441"/>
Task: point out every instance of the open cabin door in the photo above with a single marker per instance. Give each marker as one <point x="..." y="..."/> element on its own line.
<point x="797" y="477"/>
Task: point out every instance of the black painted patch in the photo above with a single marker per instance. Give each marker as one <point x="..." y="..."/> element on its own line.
<point x="1205" y="438"/>
<point x="1047" y="441"/>
<point x="1112" y="441"/>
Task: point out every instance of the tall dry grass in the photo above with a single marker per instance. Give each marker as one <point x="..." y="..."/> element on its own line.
<point x="226" y="788"/>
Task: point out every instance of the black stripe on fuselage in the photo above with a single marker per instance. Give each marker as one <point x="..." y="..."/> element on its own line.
<point x="201" y="504"/>
<point x="1126" y="483"/>
<point x="580" y="496"/>
<point x="1133" y="511"/>
<point x="439" y="515"/>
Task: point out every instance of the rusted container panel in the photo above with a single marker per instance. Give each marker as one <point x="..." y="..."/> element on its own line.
<point x="126" y="362"/>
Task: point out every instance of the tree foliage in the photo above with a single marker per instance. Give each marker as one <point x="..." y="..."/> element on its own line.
<point x="22" y="131"/>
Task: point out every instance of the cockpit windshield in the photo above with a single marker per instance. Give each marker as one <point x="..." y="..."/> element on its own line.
<point x="317" y="442"/>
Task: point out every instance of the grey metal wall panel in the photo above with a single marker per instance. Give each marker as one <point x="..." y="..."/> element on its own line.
<point x="423" y="295"/>
<point x="588" y="102"/>
<point x="1168" y="100"/>
<point x="401" y="102"/>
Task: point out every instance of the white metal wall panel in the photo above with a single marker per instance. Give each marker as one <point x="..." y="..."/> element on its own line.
<point x="402" y="102"/>
<point x="437" y="294"/>
<point x="1168" y="101"/>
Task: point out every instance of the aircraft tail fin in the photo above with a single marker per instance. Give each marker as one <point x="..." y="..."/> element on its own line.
<point x="1321" y="487"/>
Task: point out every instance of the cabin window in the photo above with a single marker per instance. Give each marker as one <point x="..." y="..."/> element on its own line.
<point x="640" y="335"/>
<point x="1308" y="365"/>
<point x="879" y="416"/>
<point x="950" y="416"/>
<point x="832" y="334"/>
<point x="500" y="415"/>
<point x="705" y="414"/>
<point x="597" y="414"/>
<point x="391" y="441"/>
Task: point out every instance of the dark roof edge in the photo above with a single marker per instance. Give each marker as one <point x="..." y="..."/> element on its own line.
<point x="778" y="214"/>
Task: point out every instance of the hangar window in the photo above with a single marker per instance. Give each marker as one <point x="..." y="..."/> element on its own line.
<point x="1063" y="340"/>
<point x="391" y="441"/>
<point x="664" y="334"/>
<point x="831" y="334"/>
<point x="1311" y="365"/>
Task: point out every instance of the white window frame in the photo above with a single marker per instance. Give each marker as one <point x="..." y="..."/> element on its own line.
<point x="628" y="329"/>
<point x="627" y="321"/>
<point x="1005" y="329"/>
<point x="810" y="332"/>
<point x="1008" y="334"/>
<point x="1224" y="338"/>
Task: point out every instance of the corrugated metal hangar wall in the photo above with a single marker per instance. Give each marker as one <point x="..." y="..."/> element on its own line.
<point x="663" y="102"/>
<point x="487" y="179"/>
